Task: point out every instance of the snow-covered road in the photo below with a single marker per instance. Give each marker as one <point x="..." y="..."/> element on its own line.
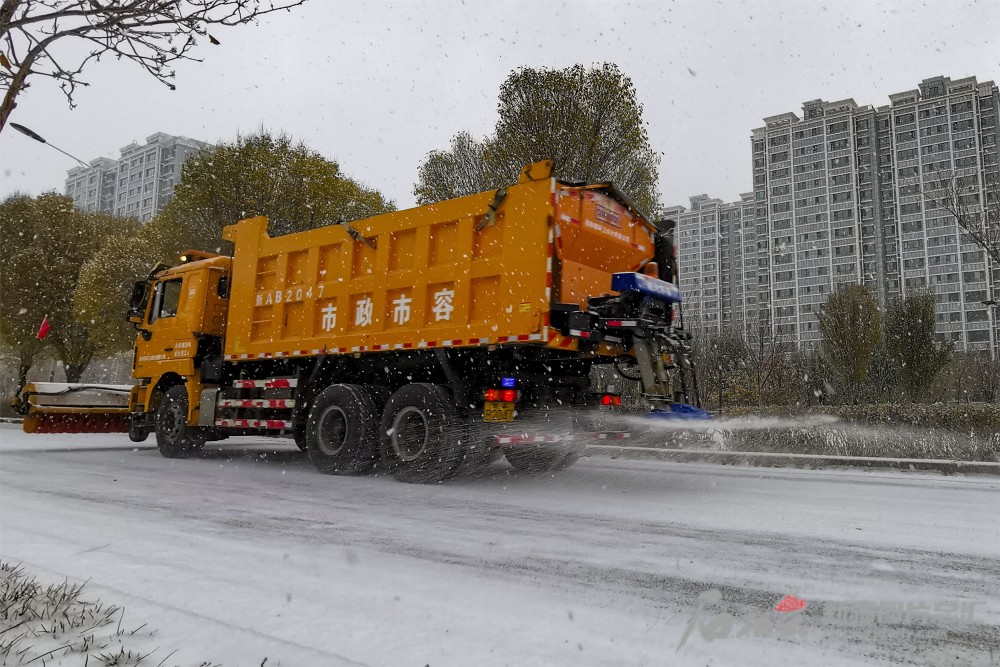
<point x="236" y="556"/>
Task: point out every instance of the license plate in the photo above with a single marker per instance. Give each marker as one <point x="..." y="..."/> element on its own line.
<point x="497" y="411"/>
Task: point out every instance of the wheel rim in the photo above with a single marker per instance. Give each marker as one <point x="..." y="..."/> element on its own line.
<point x="332" y="431"/>
<point x="174" y="423"/>
<point x="410" y="433"/>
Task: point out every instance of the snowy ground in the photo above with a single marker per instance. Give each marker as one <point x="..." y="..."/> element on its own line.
<point x="234" y="557"/>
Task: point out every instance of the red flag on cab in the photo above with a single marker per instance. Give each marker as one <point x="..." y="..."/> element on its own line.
<point x="43" y="329"/>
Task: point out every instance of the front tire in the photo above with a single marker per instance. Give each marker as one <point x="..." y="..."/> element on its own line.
<point x="174" y="438"/>
<point x="421" y="438"/>
<point x="341" y="433"/>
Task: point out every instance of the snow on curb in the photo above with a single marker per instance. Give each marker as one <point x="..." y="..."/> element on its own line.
<point x="757" y="458"/>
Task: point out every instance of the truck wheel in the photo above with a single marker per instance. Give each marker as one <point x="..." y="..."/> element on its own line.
<point x="421" y="437"/>
<point x="341" y="431"/>
<point x="542" y="458"/>
<point x="174" y="438"/>
<point x="138" y="427"/>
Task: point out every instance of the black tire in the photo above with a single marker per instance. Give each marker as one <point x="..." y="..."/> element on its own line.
<point x="543" y="458"/>
<point x="480" y="453"/>
<point x="174" y="438"/>
<point x="341" y="432"/>
<point x="299" y="434"/>
<point x="421" y="437"/>
<point x="138" y="427"/>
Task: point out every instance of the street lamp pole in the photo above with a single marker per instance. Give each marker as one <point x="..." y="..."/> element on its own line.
<point x="28" y="132"/>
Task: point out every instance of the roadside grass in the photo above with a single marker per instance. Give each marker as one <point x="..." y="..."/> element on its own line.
<point x="825" y="438"/>
<point x="48" y="625"/>
<point x="859" y="439"/>
<point x="964" y="432"/>
<point x="968" y="432"/>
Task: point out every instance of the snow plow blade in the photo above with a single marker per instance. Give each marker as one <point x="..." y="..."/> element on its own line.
<point x="58" y="407"/>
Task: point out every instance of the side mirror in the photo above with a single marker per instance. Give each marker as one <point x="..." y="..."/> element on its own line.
<point x="137" y="303"/>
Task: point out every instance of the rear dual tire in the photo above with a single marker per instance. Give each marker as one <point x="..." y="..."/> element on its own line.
<point x="341" y="432"/>
<point x="421" y="437"/>
<point x="542" y="458"/>
<point x="549" y="456"/>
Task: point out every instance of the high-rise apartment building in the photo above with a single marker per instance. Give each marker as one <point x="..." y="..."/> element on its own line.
<point x="140" y="183"/>
<point x="93" y="189"/>
<point x="718" y="275"/>
<point x="843" y="195"/>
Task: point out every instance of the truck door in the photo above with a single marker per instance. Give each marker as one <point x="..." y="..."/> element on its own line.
<point x="168" y="345"/>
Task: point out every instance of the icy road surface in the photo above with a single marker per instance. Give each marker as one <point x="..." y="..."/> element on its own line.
<point x="247" y="553"/>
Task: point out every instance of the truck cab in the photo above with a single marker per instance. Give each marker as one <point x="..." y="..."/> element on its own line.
<point x="180" y="316"/>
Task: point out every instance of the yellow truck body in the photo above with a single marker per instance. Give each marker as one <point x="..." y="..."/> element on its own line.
<point x="438" y="275"/>
<point x="399" y="337"/>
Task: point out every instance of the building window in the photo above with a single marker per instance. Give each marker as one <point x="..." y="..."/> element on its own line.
<point x="974" y="276"/>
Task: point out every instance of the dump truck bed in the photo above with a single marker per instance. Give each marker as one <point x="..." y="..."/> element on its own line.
<point x="434" y="276"/>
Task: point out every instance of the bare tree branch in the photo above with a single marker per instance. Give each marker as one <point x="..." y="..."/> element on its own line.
<point x="153" y="34"/>
<point x="975" y="205"/>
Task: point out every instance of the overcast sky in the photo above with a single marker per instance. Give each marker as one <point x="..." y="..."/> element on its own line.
<point x="376" y="86"/>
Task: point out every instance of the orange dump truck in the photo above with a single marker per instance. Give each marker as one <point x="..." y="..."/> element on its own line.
<point x="425" y="341"/>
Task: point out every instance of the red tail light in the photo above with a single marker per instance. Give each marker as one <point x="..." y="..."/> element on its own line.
<point x="505" y="395"/>
<point x="611" y="399"/>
